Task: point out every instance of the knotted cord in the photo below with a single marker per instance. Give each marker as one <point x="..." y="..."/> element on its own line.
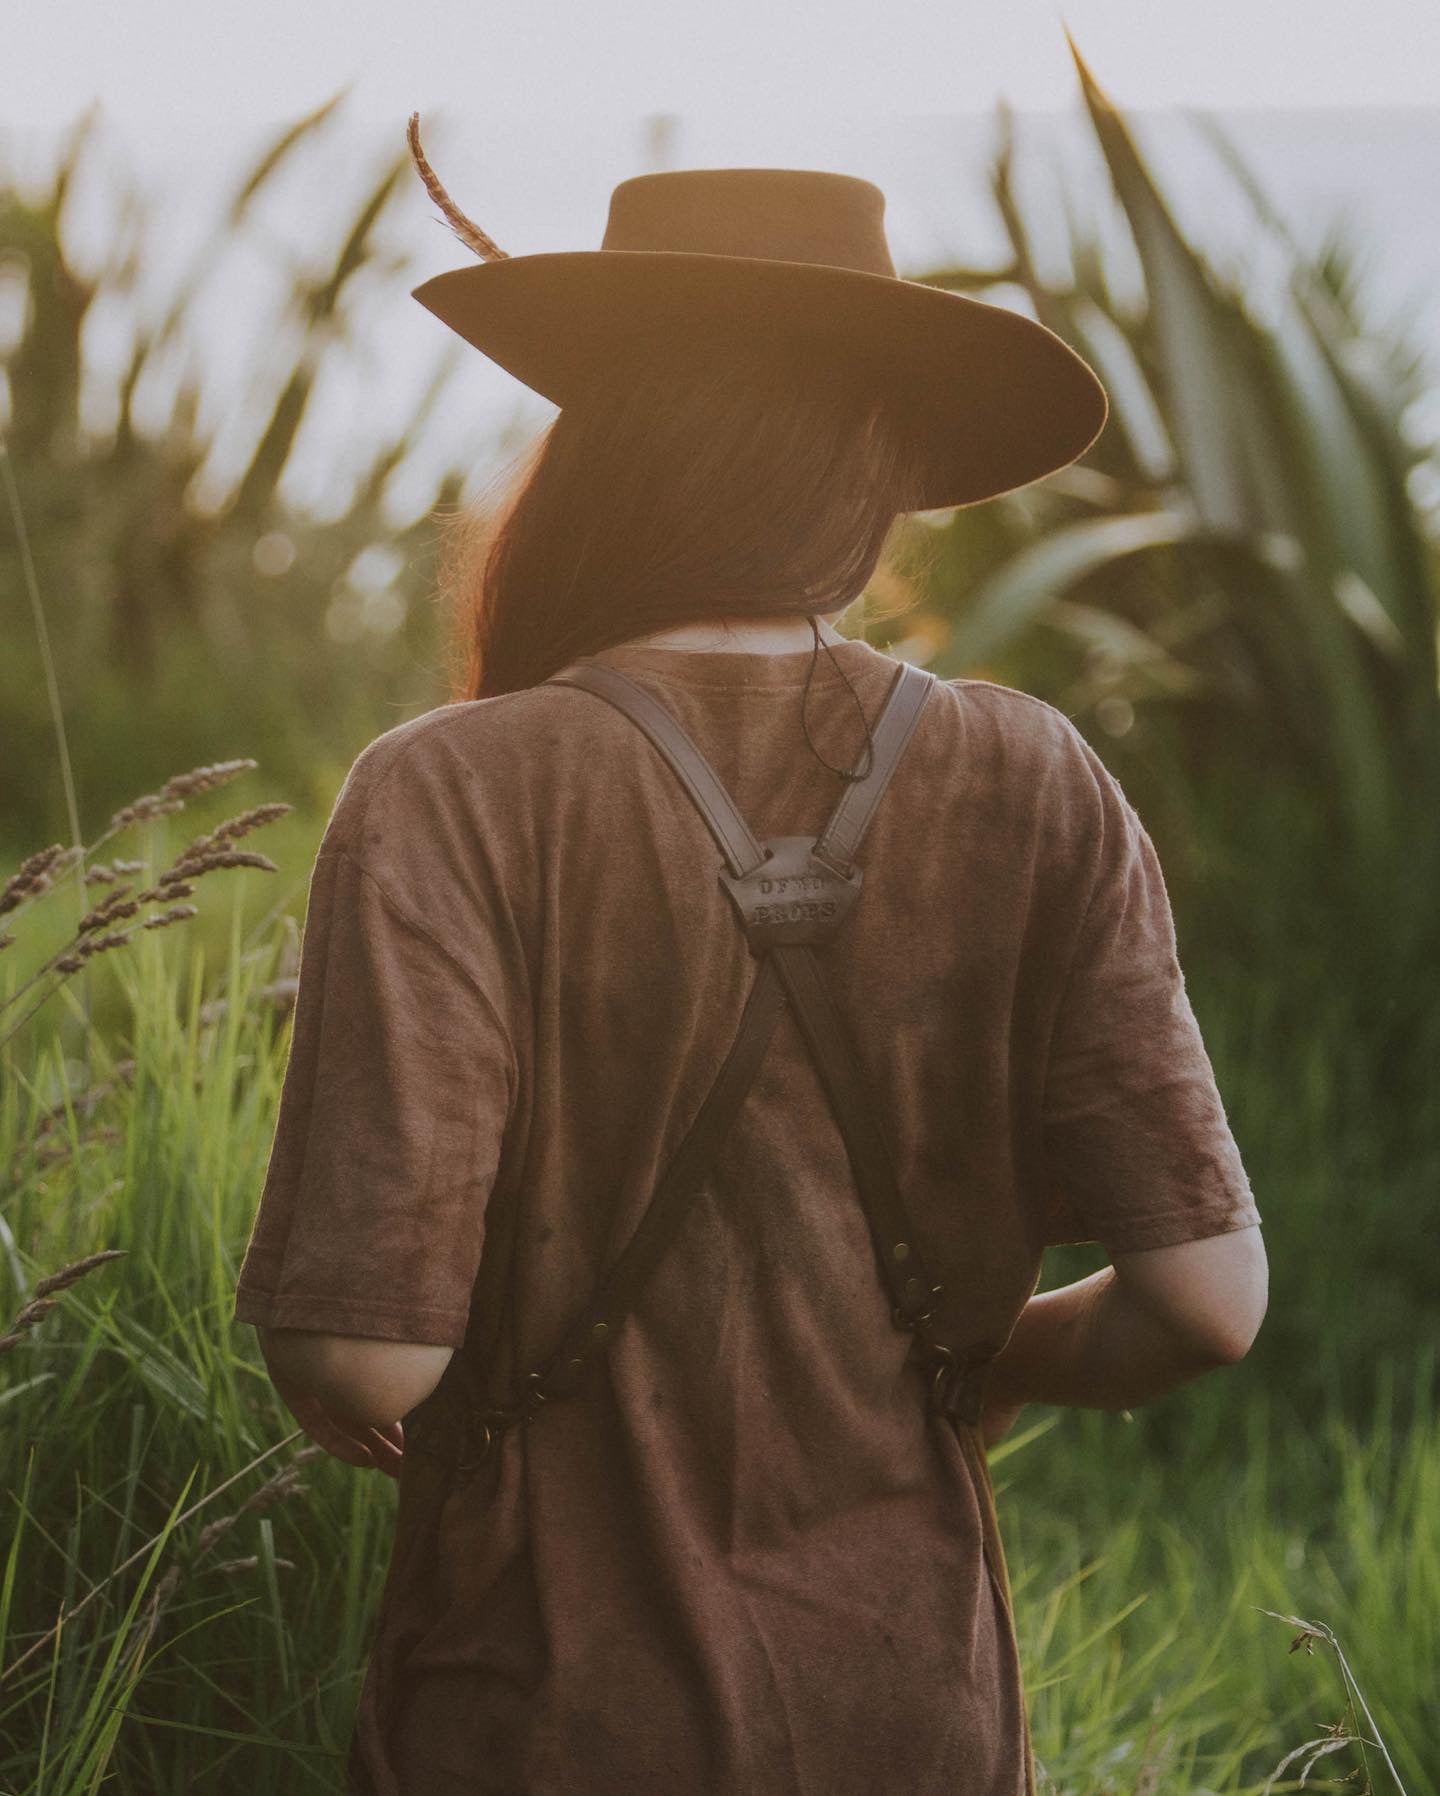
<point x="845" y="773"/>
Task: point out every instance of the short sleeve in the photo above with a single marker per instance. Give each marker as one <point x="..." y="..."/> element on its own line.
<point x="392" y="1112"/>
<point x="1136" y="1146"/>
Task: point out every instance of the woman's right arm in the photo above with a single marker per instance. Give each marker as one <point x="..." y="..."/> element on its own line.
<point x="1129" y="1333"/>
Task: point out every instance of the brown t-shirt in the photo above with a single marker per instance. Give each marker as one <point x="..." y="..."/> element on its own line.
<point x="741" y="1561"/>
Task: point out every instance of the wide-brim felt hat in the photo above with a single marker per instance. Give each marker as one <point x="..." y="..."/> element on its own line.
<point x="788" y="258"/>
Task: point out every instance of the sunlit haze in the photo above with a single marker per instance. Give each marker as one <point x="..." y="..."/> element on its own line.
<point x="531" y="114"/>
<point x="751" y="60"/>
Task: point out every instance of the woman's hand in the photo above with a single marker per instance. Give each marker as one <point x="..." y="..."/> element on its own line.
<point x="1002" y="1402"/>
<point x="996" y="1421"/>
<point x="357" y="1444"/>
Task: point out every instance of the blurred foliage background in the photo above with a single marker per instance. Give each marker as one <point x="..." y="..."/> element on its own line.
<point x="1234" y="595"/>
<point x="182" y="619"/>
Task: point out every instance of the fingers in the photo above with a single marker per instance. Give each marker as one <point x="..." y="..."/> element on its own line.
<point x="368" y="1449"/>
<point x="371" y="1449"/>
<point x="387" y="1447"/>
<point x="995" y="1424"/>
<point x="326" y="1432"/>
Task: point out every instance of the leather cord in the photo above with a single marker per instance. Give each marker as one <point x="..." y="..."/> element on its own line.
<point x="846" y="773"/>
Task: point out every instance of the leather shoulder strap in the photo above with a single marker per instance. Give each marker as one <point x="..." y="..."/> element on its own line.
<point x="842" y="834"/>
<point x="901" y="1262"/>
<point x="906" y="699"/>
<point x="683" y="1178"/>
<point x="798" y="965"/>
<point x="785" y="971"/>
<point x="730" y="830"/>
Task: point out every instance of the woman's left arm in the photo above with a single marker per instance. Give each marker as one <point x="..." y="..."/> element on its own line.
<point x="348" y="1392"/>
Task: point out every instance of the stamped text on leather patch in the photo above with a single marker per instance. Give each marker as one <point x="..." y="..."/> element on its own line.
<point x="791" y="896"/>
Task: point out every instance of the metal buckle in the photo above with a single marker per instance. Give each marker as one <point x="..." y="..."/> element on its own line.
<point x="957" y="1389"/>
<point x="491" y="1423"/>
<point x="955" y="1379"/>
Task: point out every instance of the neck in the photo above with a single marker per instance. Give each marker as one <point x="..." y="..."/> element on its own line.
<point x="745" y="636"/>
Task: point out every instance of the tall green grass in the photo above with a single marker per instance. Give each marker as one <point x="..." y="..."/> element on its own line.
<point x="1143" y="1572"/>
<point x="1234" y="592"/>
<point x="148" y="1466"/>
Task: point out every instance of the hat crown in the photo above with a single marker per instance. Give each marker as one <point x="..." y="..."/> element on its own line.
<point x="777" y="214"/>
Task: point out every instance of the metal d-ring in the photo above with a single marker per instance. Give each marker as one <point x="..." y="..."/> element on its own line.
<point x="464" y="1464"/>
<point x="946" y="1358"/>
<point x="911" y="1322"/>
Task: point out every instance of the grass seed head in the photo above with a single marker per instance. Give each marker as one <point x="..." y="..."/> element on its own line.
<point x="203" y="779"/>
<point x="36" y="874"/>
<point x="177" y="913"/>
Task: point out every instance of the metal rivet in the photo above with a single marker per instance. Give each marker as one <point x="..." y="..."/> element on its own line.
<point x="577" y="1362"/>
<point x="912" y="1284"/>
<point x="902" y="1250"/>
<point x="600" y="1330"/>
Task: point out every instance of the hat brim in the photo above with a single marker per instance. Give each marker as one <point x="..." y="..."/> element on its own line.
<point x="1000" y="400"/>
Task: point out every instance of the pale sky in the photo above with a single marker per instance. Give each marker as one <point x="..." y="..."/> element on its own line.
<point x="220" y="63"/>
<point x="531" y="111"/>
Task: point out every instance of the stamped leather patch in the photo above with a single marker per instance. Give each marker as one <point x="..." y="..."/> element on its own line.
<point x="791" y="896"/>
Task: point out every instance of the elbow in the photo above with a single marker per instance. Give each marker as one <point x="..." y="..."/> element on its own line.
<point x="1231" y="1345"/>
<point x="1232" y="1335"/>
<point x="362" y="1382"/>
<point x="1251" y="1311"/>
<point x="1208" y="1295"/>
<point x="377" y="1382"/>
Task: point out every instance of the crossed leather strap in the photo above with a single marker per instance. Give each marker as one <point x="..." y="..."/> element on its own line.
<point x="789" y="893"/>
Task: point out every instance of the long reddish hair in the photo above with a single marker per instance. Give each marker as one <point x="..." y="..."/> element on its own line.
<point x="678" y="490"/>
